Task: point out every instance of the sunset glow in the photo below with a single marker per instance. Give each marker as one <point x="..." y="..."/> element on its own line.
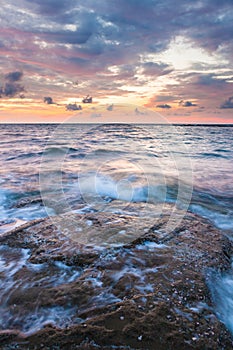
<point x="173" y="60"/>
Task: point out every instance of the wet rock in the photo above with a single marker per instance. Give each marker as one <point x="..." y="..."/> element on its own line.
<point x="148" y="293"/>
<point x="27" y="201"/>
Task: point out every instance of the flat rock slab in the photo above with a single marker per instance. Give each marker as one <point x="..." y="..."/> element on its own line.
<point x="147" y="293"/>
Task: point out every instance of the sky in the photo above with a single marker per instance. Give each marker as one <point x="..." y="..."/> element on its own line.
<point x="153" y="59"/>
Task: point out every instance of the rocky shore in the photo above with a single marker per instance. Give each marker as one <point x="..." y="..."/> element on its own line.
<point x="150" y="293"/>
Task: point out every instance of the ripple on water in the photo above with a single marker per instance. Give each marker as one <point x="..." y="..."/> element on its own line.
<point x="18" y="274"/>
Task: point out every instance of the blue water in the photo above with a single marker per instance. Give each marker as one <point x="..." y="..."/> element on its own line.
<point x="47" y="170"/>
<point x="187" y="165"/>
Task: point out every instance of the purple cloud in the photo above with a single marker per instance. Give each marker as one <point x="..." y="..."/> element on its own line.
<point x="110" y="44"/>
<point x="48" y="100"/>
<point x="73" y="107"/>
<point x="110" y="107"/>
<point x="228" y="103"/>
<point x="156" y="69"/>
<point x="165" y="106"/>
<point x="187" y="104"/>
<point x="13" y="76"/>
<point x="11" y="87"/>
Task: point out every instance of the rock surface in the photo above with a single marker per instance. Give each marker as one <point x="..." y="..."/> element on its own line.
<point x="150" y="293"/>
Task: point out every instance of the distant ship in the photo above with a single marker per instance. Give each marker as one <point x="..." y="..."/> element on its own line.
<point x="87" y="99"/>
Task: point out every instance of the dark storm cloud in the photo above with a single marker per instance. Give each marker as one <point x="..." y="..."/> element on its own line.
<point x="187" y="104"/>
<point x="228" y="103"/>
<point x="165" y="106"/>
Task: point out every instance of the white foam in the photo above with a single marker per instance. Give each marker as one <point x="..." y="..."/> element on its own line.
<point x="3" y="198"/>
<point x="12" y="217"/>
<point x="105" y="186"/>
<point x="223" y="221"/>
<point x="148" y="245"/>
<point x="12" y="262"/>
<point x="57" y="315"/>
<point x="10" y="224"/>
<point x="221" y="287"/>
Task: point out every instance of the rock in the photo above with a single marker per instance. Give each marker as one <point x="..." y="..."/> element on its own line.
<point x="27" y="201"/>
<point x="149" y="293"/>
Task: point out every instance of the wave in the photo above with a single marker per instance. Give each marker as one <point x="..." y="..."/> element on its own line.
<point x="212" y="155"/>
<point x="104" y="186"/>
<point x="25" y="155"/>
<point x="218" y="209"/>
<point x="221" y="288"/>
<point x="223" y="150"/>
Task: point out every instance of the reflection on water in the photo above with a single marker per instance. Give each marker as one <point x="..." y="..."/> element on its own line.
<point x="106" y="168"/>
<point x="108" y="162"/>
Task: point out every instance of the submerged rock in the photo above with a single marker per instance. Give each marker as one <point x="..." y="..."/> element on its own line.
<point x="148" y="293"/>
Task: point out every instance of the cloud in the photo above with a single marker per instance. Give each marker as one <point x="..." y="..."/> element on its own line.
<point x="67" y="37"/>
<point x="52" y="7"/>
<point x="11" y="87"/>
<point x="228" y="103"/>
<point x="87" y="99"/>
<point x="209" y="79"/>
<point x="13" y="76"/>
<point x="73" y="107"/>
<point x="165" y="106"/>
<point x="110" y="107"/>
<point x="156" y="69"/>
<point x="89" y="38"/>
<point x="161" y="100"/>
<point x="48" y="100"/>
<point x="118" y="28"/>
<point x="187" y="104"/>
<point x="207" y="88"/>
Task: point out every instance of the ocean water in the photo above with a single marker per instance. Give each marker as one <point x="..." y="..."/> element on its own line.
<point x="187" y="165"/>
<point x="81" y="168"/>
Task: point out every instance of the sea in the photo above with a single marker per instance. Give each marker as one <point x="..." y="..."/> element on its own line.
<point x="52" y="169"/>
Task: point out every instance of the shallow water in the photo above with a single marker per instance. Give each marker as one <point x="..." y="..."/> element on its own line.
<point x="84" y="168"/>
